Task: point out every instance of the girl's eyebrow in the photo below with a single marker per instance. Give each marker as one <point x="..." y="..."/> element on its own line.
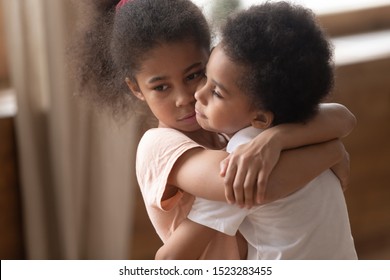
<point x="161" y="78"/>
<point x="156" y="79"/>
<point x="195" y="65"/>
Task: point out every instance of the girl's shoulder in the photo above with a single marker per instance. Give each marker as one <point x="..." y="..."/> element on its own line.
<point x="162" y="131"/>
<point x="164" y="140"/>
<point x="164" y="134"/>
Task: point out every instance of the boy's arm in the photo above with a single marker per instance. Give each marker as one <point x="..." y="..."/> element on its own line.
<point x="252" y="163"/>
<point x="294" y="161"/>
<point x="187" y="242"/>
<point x="196" y="171"/>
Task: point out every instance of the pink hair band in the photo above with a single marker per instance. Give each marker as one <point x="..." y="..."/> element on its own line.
<point x="121" y="3"/>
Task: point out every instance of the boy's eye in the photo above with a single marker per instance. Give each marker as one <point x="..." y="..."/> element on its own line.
<point x="161" y="88"/>
<point x="216" y="93"/>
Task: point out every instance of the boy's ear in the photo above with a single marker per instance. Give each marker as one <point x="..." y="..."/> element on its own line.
<point x="263" y="119"/>
<point x="134" y="88"/>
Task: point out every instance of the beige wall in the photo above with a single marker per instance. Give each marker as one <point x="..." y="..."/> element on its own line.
<point x="3" y="58"/>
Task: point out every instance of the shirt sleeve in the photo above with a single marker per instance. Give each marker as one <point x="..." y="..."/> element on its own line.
<point x="157" y="152"/>
<point x="217" y="215"/>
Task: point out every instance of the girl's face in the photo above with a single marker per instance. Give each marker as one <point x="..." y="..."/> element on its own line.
<point x="221" y="106"/>
<point x="167" y="82"/>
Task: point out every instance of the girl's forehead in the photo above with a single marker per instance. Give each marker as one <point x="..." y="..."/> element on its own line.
<point x="177" y="55"/>
<point x="177" y="48"/>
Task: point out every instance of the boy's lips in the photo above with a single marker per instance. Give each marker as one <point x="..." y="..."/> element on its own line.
<point x="200" y="114"/>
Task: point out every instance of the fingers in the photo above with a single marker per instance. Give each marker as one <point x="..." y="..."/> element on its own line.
<point x="230" y="174"/>
<point x="346" y="180"/>
<point x="261" y="187"/>
<point x="223" y="166"/>
<point x="249" y="186"/>
<point x="240" y="182"/>
<point x="344" y="184"/>
<point x="342" y="171"/>
<point x="246" y="175"/>
<point x="238" y="189"/>
<point x="234" y="181"/>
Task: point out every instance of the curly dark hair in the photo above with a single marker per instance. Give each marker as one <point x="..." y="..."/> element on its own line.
<point x="111" y="44"/>
<point x="287" y="57"/>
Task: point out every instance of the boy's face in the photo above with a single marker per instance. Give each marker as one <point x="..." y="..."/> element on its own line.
<point x="167" y="82"/>
<point x="221" y="106"/>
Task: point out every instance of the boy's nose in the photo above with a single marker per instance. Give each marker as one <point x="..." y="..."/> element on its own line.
<point x="199" y="94"/>
<point x="201" y="84"/>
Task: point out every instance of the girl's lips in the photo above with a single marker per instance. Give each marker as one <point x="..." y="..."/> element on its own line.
<point x="188" y="116"/>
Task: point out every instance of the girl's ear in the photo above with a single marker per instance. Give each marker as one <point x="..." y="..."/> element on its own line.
<point x="134" y="88"/>
<point x="263" y="119"/>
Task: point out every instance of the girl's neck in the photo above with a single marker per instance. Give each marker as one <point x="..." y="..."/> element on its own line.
<point x="210" y="140"/>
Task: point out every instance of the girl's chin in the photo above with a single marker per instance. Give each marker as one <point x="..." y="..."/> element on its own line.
<point x="190" y="128"/>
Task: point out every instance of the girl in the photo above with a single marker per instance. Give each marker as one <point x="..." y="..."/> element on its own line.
<point x="159" y="49"/>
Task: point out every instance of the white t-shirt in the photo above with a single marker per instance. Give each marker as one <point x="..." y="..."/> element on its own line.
<point x="311" y="223"/>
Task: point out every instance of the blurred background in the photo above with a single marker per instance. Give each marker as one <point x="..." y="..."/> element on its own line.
<point x="67" y="183"/>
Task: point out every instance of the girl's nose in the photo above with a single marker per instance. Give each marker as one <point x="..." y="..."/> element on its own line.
<point x="185" y="96"/>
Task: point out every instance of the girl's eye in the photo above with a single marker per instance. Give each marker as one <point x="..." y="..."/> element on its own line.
<point x="161" y="88"/>
<point x="195" y="75"/>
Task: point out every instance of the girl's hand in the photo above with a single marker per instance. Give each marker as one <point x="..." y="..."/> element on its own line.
<point x="247" y="169"/>
<point x="342" y="170"/>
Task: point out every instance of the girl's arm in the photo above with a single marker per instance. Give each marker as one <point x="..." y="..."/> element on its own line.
<point x="190" y="239"/>
<point x="200" y="165"/>
<point x="252" y="163"/>
<point x="187" y="242"/>
<point x="197" y="170"/>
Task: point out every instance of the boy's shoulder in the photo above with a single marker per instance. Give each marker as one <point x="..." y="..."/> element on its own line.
<point x="242" y="136"/>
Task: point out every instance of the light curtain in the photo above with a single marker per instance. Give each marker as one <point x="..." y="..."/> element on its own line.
<point x="76" y="164"/>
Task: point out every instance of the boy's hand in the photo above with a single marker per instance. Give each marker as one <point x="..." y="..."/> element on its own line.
<point x="247" y="169"/>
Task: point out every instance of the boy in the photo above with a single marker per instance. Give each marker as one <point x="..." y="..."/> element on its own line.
<point x="273" y="66"/>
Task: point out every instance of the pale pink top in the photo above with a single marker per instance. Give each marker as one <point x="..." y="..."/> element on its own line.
<point x="157" y="152"/>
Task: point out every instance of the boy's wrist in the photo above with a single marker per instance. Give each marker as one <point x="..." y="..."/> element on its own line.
<point x="276" y="137"/>
<point x="295" y="135"/>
